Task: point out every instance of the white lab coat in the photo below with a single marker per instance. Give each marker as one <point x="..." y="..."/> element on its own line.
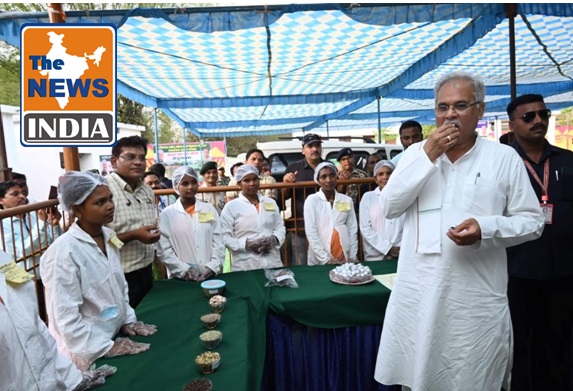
<point x="320" y="218"/>
<point x="447" y="324"/>
<point x="379" y="234"/>
<point x="241" y="221"/>
<point x="185" y="240"/>
<point x="86" y="295"/>
<point x="30" y="359"/>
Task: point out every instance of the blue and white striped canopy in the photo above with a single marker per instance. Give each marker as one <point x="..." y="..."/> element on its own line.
<point x="281" y="69"/>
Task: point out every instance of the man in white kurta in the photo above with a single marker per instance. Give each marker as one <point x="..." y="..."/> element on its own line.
<point x="447" y="324"/>
<point x="190" y="239"/>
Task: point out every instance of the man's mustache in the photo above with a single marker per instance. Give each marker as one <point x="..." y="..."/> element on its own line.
<point x="538" y="127"/>
<point x="453" y="121"/>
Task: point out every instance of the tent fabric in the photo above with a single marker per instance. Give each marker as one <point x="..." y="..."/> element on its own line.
<point x="233" y="71"/>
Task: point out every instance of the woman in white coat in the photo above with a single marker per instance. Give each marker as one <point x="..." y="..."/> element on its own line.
<point x="381" y="237"/>
<point x="86" y="292"/>
<point x="30" y="359"/>
<point x="191" y="245"/>
<point x="252" y="227"/>
<point x="330" y="221"/>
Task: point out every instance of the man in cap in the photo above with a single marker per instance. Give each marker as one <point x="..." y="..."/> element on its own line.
<point x="540" y="289"/>
<point x="211" y="178"/>
<point x="301" y="171"/>
<point x="347" y="171"/>
<point x="410" y="133"/>
<point x="223" y="179"/>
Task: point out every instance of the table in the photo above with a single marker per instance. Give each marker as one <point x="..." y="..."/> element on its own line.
<point x="176" y="306"/>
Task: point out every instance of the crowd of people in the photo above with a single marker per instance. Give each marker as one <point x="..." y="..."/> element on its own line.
<point x="483" y="297"/>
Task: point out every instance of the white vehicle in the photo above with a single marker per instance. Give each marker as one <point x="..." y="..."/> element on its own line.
<point x="283" y="153"/>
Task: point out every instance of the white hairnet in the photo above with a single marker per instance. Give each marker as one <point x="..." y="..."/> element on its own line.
<point x="383" y="163"/>
<point x="245" y="170"/>
<point x="321" y="166"/>
<point x="75" y="187"/>
<point x="180" y="173"/>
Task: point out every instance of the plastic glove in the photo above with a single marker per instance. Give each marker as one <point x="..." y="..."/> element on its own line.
<point x="192" y="274"/>
<point x="204" y="273"/>
<point x="124" y="346"/>
<point x="253" y="245"/>
<point x="95" y="377"/>
<point x="138" y="328"/>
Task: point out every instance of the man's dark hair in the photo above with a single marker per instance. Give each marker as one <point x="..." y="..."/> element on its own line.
<point x="410" y="124"/>
<point x="235" y="166"/>
<point x="521" y="100"/>
<point x="148" y="173"/>
<point x="17" y="175"/>
<point x="159" y="169"/>
<point x="253" y="150"/>
<point x="5" y="186"/>
<point x="131" y="141"/>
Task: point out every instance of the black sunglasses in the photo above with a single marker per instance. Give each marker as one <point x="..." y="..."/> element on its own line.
<point x="530" y="115"/>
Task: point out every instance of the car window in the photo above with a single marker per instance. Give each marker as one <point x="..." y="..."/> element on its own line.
<point x="280" y="161"/>
<point x="360" y="159"/>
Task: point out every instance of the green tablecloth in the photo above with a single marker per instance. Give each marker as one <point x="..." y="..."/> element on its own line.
<point x="176" y="306"/>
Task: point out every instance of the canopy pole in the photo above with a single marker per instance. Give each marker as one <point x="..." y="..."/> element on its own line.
<point x="511" y="13"/>
<point x="71" y="156"/>
<point x="157" y="160"/>
<point x="379" y="122"/>
<point x="5" y="171"/>
<point x="327" y="130"/>
<point x="185" y="146"/>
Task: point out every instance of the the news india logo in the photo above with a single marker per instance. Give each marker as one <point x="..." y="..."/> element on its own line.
<point x="68" y="85"/>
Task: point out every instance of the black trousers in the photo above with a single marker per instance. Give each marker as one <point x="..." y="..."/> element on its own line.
<point x="541" y="313"/>
<point x="139" y="283"/>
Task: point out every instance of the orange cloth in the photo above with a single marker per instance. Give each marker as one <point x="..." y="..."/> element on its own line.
<point x="336" y="247"/>
<point x="257" y="206"/>
<point x="190" y="210"/>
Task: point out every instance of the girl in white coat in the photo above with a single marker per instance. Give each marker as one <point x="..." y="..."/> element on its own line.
<point x="330" y="221"/>
<point x="191" y="245"/>
<point x="381" y="237"/>
<point x="252" y="227"/>
<point x="86" y="292"/>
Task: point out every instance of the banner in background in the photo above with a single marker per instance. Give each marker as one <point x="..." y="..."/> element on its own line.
<point x="191" y="154"/>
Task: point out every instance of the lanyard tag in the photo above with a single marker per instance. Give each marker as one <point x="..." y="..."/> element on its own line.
<point x="547" y="210"/>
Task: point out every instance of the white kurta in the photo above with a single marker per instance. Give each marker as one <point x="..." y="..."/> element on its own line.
<point x="320" y="219"/>
<point x="187" y="239"/>
<point x="241" y="221"/>
<point x="379" y="234"/>
<point x="30" y="359"/>
<point x="447" y="324"/>
<point x="86" y="295"/>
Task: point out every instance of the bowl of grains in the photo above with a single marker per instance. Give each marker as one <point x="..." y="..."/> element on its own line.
<point x="217" y="303"/>
<point x="211" y="339"/>
<point x="198" y="385"/>
<point x="208" y="362"/>
<point x="210" y="321"/>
